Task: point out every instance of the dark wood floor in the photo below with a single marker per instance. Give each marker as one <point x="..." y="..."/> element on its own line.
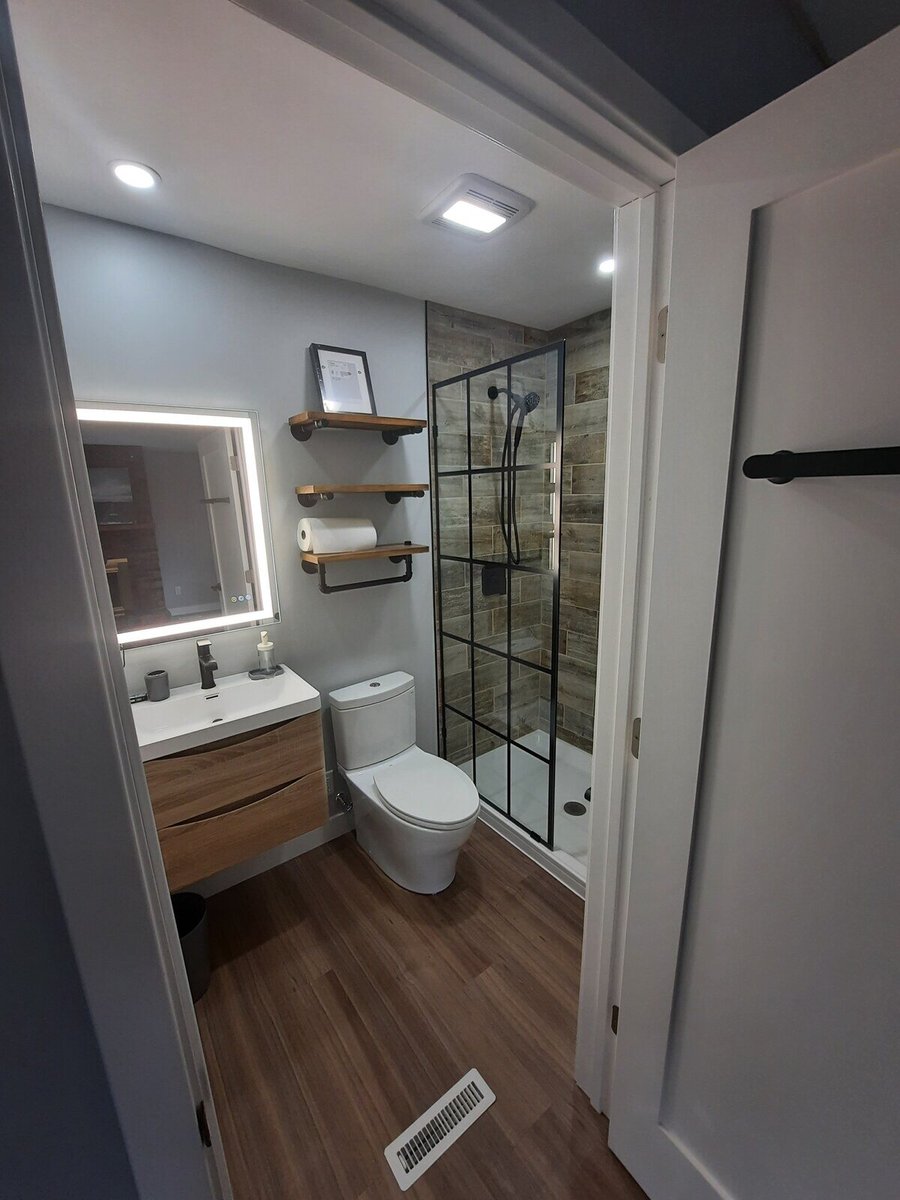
<point x="341" y="1007"/>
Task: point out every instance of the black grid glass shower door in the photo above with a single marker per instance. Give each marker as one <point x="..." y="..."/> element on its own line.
<point x="497" y="492"/>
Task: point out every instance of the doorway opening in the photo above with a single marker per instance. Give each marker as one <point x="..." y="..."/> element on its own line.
<point x="536" y="737"/>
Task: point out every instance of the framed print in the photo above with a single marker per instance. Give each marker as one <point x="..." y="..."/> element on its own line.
<point x="343" y="379"/>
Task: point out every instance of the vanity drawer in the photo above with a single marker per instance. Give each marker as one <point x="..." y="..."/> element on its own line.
<point x="196" y="783"/>
<point x="199" y="848"/>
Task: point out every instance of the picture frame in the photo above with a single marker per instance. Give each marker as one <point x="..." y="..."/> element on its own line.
<point x="343" y="379"/>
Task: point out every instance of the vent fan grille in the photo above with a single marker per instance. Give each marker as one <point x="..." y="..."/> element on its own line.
<point x="412" y="1153"/>
<point x="506" y="210"/>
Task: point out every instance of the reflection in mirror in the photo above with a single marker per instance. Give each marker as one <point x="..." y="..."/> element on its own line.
<point x="179" y="507"/>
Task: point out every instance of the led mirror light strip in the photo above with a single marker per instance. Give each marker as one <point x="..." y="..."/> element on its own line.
<point x="149" y="416"/>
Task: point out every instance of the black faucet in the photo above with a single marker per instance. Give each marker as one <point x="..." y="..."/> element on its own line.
<point x="207" y="664"/>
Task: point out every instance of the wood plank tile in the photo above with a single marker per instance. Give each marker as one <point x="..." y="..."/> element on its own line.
<point x="342" y="1006"/>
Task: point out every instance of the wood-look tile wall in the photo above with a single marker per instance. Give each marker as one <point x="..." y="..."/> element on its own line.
<point x="460" y="341"/>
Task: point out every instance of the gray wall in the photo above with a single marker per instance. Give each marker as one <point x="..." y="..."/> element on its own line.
<point x="152" y="319"/>
<point x="59" y="1135"/>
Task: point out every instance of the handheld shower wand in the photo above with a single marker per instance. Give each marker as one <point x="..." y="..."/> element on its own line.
<point x="519" y="408"/>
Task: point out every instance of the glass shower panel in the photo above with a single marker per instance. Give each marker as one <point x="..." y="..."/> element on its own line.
<point x="456" y="661"/>
<point x="449" y="415"/>
<point x="456" y="600"/>
<point x="491" y="671"/>
<point x="529" y="779"/>
<point x="460" y="750"/>
<point x="452" y="509"/>
<point x="527" y="637"/>
<point x="489" y="418"/>
<point x="535" y="511"/>
<point x="491" y="768"/>
<point x="490" y="602"/>
<point x="486" y="497"/>
<point x="530" y="702"/>
<point x="497" y="516"/>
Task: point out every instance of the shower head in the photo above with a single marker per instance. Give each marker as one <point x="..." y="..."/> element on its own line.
<point x="529" y="402"/>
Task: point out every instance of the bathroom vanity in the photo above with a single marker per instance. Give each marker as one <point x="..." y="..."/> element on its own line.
<point x="232" y="772"/>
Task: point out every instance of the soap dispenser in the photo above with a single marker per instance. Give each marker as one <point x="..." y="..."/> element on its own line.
<point x="265" y="650"/>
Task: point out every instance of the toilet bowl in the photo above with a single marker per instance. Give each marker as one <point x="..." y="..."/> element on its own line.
<point x="413" y="811"/>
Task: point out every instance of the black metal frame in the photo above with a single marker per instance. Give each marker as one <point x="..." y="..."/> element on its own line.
<point x="329" y="589"/>
<point x="314" y="349"/>
<point x="524" y="567"/>
<point x="786" y="465"/>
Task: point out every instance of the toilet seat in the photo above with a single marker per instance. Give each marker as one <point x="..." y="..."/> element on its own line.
<point x="427" y="791"/>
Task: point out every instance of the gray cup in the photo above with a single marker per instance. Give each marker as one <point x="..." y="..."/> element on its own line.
<point x="157" y="685"/>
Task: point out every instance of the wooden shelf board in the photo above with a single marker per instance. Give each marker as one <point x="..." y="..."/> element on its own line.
<point x="400" y="550"/>
<point x="303" y="424"/>
<point x="347" y="489"/>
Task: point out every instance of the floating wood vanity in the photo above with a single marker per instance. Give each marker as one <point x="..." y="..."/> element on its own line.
<point x="220" y="804"/>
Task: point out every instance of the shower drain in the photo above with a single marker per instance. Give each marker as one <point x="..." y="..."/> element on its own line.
<point x="574" y="808"/>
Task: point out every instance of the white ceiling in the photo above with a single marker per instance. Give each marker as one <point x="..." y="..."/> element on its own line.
<point x="271" y="148"/>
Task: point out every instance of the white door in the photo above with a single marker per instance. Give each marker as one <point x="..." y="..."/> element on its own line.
<point x="758" y="1048"/>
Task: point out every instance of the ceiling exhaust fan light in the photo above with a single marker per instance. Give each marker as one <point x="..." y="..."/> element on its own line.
<point x="472" y="216"/>
<point x="135" y="175"/>
<point x="476" y="207"/>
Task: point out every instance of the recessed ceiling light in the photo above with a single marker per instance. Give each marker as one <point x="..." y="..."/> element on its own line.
<point x="473" y="216"/>
<point x="135" y="175"/>
<point x="477" y="207"/>
<point x="606" y="266"/>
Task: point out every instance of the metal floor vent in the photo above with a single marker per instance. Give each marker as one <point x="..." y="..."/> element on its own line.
<point x="412" y="1153"/>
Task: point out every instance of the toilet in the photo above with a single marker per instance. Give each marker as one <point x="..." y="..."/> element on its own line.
<point x="414" y="811"/>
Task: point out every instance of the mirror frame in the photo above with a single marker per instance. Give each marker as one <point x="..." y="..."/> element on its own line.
<point x="246" y="423"/>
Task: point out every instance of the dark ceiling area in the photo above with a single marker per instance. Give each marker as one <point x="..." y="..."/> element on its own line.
<point x="720" y="60"/>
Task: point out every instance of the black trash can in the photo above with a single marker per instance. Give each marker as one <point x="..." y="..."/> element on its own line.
<point x="190" y="920"/>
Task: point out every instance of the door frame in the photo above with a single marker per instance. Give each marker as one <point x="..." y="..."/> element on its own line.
<point x="154" y="1060"/>
<point x="782" y="149"/>
<point x="637" y="373"/>
<point x="63" y="673"/>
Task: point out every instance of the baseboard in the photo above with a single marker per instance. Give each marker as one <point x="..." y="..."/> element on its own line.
<point x="336" y="826"/>
<point x="534" y="850"/>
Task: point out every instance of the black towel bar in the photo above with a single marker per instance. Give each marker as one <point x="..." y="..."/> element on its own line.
<point x="785" y="465"/>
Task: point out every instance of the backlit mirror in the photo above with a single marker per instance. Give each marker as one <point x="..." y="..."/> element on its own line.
<point x="180" y="507"/>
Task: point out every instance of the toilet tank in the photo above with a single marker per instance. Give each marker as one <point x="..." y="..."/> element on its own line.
<point x="374" y="720"/>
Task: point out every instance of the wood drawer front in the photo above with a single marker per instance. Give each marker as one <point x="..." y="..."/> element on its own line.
<point x="199" y="848"/>
<point x="196" y="783"/>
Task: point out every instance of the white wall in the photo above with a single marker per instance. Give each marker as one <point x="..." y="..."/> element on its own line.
<point x="158" y="320"/>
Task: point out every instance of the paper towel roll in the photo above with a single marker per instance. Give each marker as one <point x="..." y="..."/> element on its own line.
<point x="334" y="535"/>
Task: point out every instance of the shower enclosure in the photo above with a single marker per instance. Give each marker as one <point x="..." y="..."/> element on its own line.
<point x="498" y="438"/>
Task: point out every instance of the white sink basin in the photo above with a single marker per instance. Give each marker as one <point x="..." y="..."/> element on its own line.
<point x="191" y="717"/>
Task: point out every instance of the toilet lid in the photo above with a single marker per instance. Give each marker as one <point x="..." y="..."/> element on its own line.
<point x="428" y="791"/>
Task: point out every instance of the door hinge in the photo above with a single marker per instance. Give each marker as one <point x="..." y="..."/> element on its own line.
<point x="636" y="737"/>
<point x="614" y="1019"/>
<point x="203" y="1125"/>
<point x="662" y="328"/>
<point x="234" y="462"/>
